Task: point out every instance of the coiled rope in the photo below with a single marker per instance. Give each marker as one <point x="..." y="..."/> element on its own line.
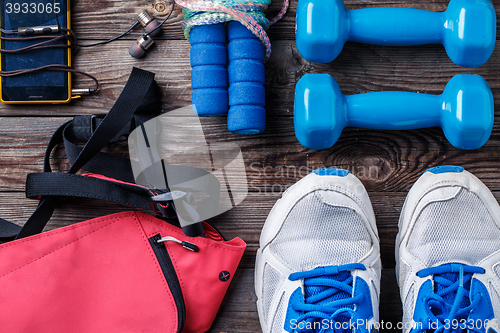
<point x="247" y="12"/>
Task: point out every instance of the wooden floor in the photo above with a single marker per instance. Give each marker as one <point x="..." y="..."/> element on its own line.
<point x="388" y="163"/>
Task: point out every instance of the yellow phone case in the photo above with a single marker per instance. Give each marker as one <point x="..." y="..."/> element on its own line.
<point x="69" y="74"/>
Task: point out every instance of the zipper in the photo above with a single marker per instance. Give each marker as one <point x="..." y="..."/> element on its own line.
<point x="168" y="270"/>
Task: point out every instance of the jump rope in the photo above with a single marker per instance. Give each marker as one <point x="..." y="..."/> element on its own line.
<point x="196" y="13"/>
<point x="227" y="61"/>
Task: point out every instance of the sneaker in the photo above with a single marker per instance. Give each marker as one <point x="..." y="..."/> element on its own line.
<point x="448" y="254"/>
<point x="318" y="266"/>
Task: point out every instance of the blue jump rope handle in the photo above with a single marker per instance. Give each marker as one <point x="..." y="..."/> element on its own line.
<point x="246" y="81"/>
<point x="209" y="74"/>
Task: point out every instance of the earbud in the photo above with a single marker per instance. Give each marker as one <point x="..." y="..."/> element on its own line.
<point x="144" y="42"/>
<point x="140" y="46"/>
<point x="149" y="24"/>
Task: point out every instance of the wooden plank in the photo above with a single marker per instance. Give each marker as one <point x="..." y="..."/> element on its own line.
<point x="244" y="221"/>
<point x="359" y="69"/>
<point x="389" y="161"/>
<point x="96" y="24"/>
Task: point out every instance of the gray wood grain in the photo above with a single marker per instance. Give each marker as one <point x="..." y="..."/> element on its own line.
<point x="387" y="162"/>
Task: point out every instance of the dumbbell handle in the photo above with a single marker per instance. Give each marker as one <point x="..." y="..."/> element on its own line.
<point x="393" y="110"/>
<point x="396" y="26"/>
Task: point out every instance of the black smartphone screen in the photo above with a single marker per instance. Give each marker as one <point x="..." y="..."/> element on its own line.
<point x="37" y="86"/>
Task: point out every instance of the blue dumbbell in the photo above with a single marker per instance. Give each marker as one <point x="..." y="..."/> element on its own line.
<point x="465" y="111"/>
<point x="209" y="78"/>
<point x="467" y="29"/>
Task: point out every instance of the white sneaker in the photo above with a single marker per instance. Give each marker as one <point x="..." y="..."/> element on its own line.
<point x="318" y="266"/>
<point x="448" y="254"/>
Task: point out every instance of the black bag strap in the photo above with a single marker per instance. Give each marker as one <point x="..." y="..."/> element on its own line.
<point x="69" y="185"/>
<point x="109" y="165"/>
<point x="127" y="113"/>
<point x="121" y="113"/>
<point x="8" y="230"/>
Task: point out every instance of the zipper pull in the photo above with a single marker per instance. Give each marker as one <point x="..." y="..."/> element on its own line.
<point x="187" y="245"/>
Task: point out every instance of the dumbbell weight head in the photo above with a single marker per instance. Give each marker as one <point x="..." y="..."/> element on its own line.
<point x="468" y="111"/>
<point x="470" y="31"/>
<point x="319" y="112"/>
<point x="321" y="29"/>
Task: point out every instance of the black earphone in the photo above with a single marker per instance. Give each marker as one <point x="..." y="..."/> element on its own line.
<point x="143" y="43"/>
<point x="151" y="26"/>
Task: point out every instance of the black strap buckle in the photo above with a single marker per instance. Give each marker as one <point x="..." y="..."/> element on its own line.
<point x="163" y="203"/>
<point x="189" y="219"/>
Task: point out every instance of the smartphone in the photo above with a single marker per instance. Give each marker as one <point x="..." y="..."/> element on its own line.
<point x="37" y="87"/>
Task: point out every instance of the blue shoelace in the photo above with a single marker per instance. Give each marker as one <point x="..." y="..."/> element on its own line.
<point x="451" y="299"/>
<point x="328" y="296"/>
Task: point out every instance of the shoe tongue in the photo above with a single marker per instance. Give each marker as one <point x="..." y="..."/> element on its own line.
<point x="450" y="297"/>
<point x="314" y="290"/>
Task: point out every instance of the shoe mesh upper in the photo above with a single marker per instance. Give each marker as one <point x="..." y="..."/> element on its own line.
<point x="496" y="268"/>
<point x="316" y="234"/>
<point x="404" y="270"/>
<point x="408" y="309"/>
<point x="455" y="230"/>
<point x="377" y="267"/>
<point x="495" y="298"/>
<point x="279" y="318"/>
<point x="269" y="286"/>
